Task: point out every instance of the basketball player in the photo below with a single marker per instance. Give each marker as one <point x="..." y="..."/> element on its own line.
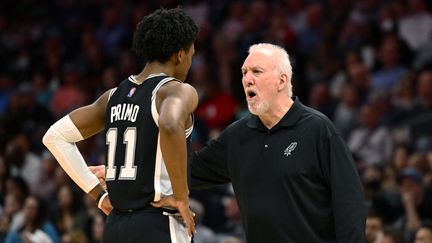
<point x="147" y="121"/>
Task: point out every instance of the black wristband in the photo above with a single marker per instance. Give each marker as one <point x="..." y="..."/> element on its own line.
<point x="100" y="195"/>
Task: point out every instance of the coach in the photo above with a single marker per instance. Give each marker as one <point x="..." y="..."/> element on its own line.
<point x="292" y="174"/>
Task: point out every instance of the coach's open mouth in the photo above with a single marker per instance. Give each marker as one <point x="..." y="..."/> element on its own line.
<point x="251" y="94"/>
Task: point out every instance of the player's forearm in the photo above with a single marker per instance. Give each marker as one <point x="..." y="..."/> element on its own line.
<point x="60" y="140"/>
<point x="174" y="153"/>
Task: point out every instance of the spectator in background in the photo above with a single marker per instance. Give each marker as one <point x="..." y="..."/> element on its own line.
<point x="353" y="35"/>
<point x="204" y="234"/>
<point x="26" y="117"/>
<point x="309" y="36"/>
<point x="12" y="217"/>
<point x="321" y="100"/>
<point x="424" y="234"/>
<point x="392" y="171"/>
<point x="23" y="162"/>
<point x="404" y="93"/>
<point x="370" y="141"/>
<point x="346" y="114"/>
<point x="47" y="178"/>
<point x="233" y="224"/>
<point x="36" y="228"/>
<point x="217" y="109"/>
<point x="374" y="226"/>
<point x="403" y="100"/>
<point x="371" y="176"/>
<point x="416" y="201"/>
<point x="74" y="236"/>
<point x="421" y="114"/>
<point x="97" y="228"/>
<point x="423" y="102"/>
<point x="69" y="215"/>
<point x="391" y="70"/>
<point x="44" y="92"/>
<point x="381" y="101"/>
<point x="341" y="78"/>
<point x="232" y="27"/>
<point x="416" y="26"/>
<point x="69" y="95"/>
<point x="112" y="32"/>
<point x="390" y="235"/>
<point x="359" y="77"/>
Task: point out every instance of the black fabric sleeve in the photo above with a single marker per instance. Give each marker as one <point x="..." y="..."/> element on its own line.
<point x="348" y="203"/>
<point x="209" y="164"/>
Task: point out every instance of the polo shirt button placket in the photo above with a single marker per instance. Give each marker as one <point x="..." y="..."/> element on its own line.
<point x="267" y="137"/>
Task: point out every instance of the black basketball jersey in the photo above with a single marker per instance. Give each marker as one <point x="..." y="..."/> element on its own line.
<point x="135" y="170"/>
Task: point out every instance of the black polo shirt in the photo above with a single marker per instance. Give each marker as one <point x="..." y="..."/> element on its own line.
<point x="294" y="183"/>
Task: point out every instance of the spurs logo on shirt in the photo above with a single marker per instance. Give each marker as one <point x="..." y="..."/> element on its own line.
<point x="290" y="148"/>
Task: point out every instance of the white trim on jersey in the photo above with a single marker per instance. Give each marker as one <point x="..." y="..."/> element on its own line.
<point x="162" y="182"/>
<point x="172" y="229"/>
<point x="189" y="131"/>
<point x="111" y="92"/>
<point x="178" y="230"/>
<point x="157" y="173"/>
<point x="155" y="114"/>
<point x="133" y="79"/>
<point x="154" y="111"/>
<point x="162" y="82"/>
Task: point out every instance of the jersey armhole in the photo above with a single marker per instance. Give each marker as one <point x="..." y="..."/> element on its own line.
<point x="154" y="111"/>
<point x="111" y="92"/>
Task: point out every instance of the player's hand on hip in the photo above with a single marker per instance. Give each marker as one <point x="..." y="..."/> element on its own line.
<point x="165" y="202"/>
<point x="182" y="206"/>
<point x="99" y="172"/>
<point x="188" y="215"/>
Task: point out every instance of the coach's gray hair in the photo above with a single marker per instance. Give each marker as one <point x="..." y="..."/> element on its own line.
<point x="280" y="57"/>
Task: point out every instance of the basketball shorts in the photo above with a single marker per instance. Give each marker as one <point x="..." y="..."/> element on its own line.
<point x="144" y="226"/>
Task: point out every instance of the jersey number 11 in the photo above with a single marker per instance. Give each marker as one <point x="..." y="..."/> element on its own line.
<point x="128" y="170"/>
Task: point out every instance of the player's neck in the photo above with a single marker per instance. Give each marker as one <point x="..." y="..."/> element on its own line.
<point x="154" y="68"/>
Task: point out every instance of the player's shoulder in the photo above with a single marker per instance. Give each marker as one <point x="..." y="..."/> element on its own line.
<point x="175" y="83"/>
<point x="177" y="87"/>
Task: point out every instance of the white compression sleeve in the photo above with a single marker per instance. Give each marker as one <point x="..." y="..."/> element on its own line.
<point x="60" y="140"/>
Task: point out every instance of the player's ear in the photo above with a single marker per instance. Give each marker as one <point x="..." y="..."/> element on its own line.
<point x="180" y="56"/>
<point x="176" y="58"/>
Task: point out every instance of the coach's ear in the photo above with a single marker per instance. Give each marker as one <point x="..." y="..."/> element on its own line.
<point x="282" y="82"/>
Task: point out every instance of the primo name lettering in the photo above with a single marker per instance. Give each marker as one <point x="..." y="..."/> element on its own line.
<point x="125" y="112"/>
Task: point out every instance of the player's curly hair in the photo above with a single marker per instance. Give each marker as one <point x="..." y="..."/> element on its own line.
<point x="163" y="33"/>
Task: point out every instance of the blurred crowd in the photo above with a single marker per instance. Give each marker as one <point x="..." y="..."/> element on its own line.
<point x="366" y="64"/>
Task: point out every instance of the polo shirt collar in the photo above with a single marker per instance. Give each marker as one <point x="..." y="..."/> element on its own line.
<point x="290" y="118"/>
